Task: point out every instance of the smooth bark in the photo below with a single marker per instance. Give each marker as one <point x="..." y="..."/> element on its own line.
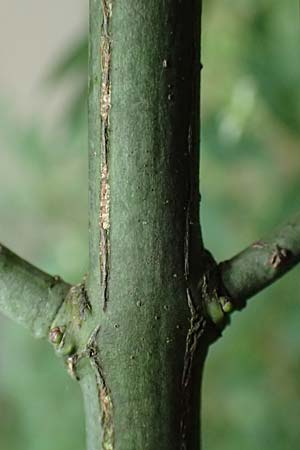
<point x="262" y="263"/>
<point x="28" y="295"/>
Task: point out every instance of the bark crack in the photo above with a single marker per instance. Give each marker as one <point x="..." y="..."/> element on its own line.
<point x="196" y="330"/>
<point x="104" y="394"/>
<point x="105" y="107"/>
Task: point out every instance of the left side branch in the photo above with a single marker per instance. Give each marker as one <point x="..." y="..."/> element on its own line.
<point x="28" y="295"/>
<point x="261" y="264"/>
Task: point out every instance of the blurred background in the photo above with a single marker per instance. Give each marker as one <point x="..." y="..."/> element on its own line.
<point x="250" y="167"/>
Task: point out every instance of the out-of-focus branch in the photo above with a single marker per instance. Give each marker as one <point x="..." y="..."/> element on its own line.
<point x="28" y="295"/>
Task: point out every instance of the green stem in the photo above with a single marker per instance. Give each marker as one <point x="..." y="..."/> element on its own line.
<point x="145" y="236"/>
<point x="28" y="295"/>
<point x="262" y="263"/>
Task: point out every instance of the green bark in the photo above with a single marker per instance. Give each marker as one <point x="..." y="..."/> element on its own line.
<point x="262" y="263"/>
<point x="144" y="227"/>
<point x="28" y="295"/>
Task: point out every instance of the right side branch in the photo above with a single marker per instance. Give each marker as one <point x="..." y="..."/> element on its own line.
<point x="261" y="263"/>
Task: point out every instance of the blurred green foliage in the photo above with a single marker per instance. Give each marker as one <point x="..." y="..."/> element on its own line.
<point x="74" y="63"/>
<point x="250" y="178"/>
<point x="250" y="167"/>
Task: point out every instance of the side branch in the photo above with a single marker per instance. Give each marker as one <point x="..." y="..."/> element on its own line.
<point x="262" y="263"/>
<point x="28" y="295"/>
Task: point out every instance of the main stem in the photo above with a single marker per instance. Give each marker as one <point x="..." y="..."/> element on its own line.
<point x="144" y="226"/>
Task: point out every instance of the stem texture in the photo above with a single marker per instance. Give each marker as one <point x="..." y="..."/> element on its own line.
<point x="28" y="295"/>
<point x="144" y="222"/>
<point x="262" y="263"/>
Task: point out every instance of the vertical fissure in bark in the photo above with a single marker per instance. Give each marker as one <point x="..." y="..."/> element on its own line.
<point x="105" y="107"/>
<point x="104" y="395"/>
<point x="186" y="246"/>
<point x="196" y="330"/>
<point x="192" y="245"/>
